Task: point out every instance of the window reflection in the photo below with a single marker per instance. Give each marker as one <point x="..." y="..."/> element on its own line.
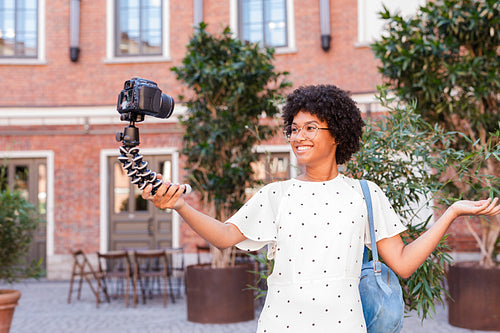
<point x="42" y="189"/>
<point x="3" y="177"/>
<point x="139" y="27"/>
<point x="18" y="28"/>
<point x="166" y="172"/>
<point x="166" y="169"/>
<point x="279" y="168"/>
<point x="121" y="190"/>
<point x="270" y="167"/>
<point x="264" y="22"/>
<point x="21" y="180"/>
<point x="140" y="203"/>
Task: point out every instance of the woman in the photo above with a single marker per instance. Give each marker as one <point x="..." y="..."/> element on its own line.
<point x="316" y="224"/>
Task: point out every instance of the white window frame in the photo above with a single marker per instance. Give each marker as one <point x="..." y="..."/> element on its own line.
<point x="40" y="58"/>
<point x="369" y="21"/>
<point x="291" y="47"/>
<point x="111" y="40"/>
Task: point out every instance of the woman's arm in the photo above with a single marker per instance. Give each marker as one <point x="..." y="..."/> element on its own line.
<point x="404" y="260"/>
<point x="221" y="235"/>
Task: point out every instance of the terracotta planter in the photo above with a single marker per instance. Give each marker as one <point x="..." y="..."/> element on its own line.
<point x="475" y="293"/>
<point x="8" y="303"/>
<point x="219" y="295"/>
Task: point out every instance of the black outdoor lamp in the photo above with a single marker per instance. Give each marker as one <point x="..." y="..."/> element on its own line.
<point x="74" y="30"/>
<point x="324" y="12"/>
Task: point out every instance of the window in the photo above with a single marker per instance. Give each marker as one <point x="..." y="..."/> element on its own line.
<point x="137" y="31"/>
<point x="263" y="21"/>
<point x="18" y="29"/>
<point x="139" y="27"/>
<point x="370" y="25"/>
<point x="268" y="22"/>
<point x="271" y="166"/>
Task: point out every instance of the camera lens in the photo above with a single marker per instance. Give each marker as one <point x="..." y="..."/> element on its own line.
<point x="166" y="107"/>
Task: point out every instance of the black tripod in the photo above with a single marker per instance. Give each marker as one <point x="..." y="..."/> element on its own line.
<point x="132" y="160"/>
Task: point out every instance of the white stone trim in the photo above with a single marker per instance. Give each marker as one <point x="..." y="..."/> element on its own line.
<point x="81" y="115"/>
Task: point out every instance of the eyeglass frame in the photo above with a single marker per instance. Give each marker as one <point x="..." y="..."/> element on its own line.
<point x="288" y="137"/>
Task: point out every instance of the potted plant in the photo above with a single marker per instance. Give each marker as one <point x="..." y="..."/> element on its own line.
<point x="446" y="58"/>
<point x="235" y="93"/>
<point x="18" y="220"/>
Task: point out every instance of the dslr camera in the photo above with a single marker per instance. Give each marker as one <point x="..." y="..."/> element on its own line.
<point x="138" y="98"/>
<point x="141" y="97"/>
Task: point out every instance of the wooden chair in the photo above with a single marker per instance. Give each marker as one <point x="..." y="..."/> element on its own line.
<point x="175" y="258"/>
<point x="84" y="270"/>
<point x="150" y="266"/>
<point x="115" y="267"/>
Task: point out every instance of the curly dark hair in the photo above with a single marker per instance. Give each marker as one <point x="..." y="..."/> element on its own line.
<point x="334" y="106"/>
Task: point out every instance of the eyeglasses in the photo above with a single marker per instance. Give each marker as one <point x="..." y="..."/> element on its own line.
<point x="309" y="131"/>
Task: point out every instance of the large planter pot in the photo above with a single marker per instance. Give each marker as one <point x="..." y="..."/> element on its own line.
<point x="8" y="303"/>
<point x="475" y="297"/>
<point x="220" y="295"/>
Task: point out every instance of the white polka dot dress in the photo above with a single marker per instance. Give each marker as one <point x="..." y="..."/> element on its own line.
<point x="316" y="232"/>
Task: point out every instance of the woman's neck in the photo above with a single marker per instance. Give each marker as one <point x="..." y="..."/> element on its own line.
<point x="315" y="176"/>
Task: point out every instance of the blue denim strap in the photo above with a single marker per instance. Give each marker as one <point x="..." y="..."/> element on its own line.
<point x="377" y="265"/>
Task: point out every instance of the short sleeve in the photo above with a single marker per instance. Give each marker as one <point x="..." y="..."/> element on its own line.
<point x="385" y="220"/>
<point x="256" y="220"/>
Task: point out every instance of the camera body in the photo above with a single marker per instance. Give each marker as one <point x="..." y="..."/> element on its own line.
<point x="141" y="97"/>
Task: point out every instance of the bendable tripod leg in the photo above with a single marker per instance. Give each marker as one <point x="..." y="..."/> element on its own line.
<point x="137" y="169"/>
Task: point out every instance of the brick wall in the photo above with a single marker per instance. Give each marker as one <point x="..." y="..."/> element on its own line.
<point x="91" y="81"/>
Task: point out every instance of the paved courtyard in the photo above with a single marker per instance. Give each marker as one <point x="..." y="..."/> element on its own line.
<point x="43" y="308"/>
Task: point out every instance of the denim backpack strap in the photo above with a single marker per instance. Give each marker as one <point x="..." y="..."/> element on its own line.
<point x="377" y="265"/>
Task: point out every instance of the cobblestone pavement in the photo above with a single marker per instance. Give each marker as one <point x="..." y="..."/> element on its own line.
<point x="43" y="308"/>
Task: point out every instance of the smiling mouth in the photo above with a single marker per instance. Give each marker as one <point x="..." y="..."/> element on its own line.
<point x="303" y="148"/>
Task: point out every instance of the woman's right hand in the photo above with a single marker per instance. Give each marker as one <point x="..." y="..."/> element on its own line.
<point x="168" y="195"/>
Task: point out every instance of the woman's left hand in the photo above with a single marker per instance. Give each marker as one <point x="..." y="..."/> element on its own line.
<point x="486" y="207"/>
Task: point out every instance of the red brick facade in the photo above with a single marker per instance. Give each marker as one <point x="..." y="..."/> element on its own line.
<point x="91" y="81"/>
<point x="94" y="82"/>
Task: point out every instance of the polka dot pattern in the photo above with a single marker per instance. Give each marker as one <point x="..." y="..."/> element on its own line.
<point x="316" y="232"/>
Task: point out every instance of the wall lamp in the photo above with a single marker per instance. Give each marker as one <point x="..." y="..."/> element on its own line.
<point x="324" y="12"/>
<point x="74" y="30"/>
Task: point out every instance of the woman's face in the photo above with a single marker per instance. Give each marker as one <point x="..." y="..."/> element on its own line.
<point x="313" y="151"/>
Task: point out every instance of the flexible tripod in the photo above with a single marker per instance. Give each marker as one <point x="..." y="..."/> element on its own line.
<point x="132" y="160"/>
